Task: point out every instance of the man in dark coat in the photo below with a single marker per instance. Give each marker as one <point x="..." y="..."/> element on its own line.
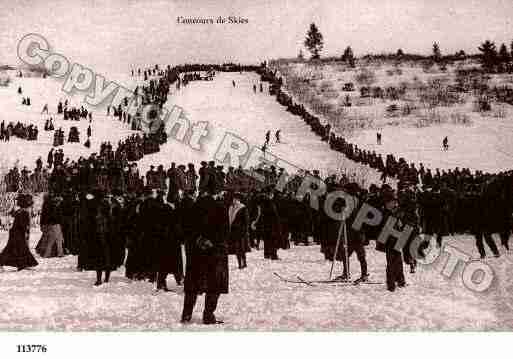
<point x="270" y="222"/>
<point x="173" y="194"/>
<point x="168" y="254"/>
<point x="207" y="259"/>
<point x="394" y="258"/>
<point x="134" y="260"/>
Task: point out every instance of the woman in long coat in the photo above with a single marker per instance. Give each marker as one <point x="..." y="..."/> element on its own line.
<point x="238" y="237"/>
<point x="17" y="253"/>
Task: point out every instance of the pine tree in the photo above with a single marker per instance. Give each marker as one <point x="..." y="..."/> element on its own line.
<point x="348" y="56"/>
<point x="437" y="54"/>
<point x="314" y="41"/>
<point x="488" y="55"/>
<point x="503" y="53"/>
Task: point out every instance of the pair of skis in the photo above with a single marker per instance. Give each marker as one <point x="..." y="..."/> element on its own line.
<point x="313" y="283"/>
<point x="342" y="232"/>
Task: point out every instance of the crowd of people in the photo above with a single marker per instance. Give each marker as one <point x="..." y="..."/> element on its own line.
<point x="447" y="202"/>
<point x="101" y="208"/>
<point x="20" y="130"/>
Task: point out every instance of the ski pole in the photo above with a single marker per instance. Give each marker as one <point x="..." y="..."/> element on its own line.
<point x="336" y="248"/>
<point x="346" y="251"/>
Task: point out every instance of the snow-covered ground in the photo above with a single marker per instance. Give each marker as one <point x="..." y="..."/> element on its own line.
<point x="486" y="145"/>
<point x="484" y="142"/>
<point x="226" y="109"/>
<point x="49" y="91"/>
<point x="54" y="296"/>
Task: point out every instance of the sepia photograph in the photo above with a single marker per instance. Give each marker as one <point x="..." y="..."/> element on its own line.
<point x="336" y="170"/>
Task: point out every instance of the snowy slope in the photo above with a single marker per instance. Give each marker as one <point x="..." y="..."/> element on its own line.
<point x="54" y="296"/>
<point x="236" y="110"/>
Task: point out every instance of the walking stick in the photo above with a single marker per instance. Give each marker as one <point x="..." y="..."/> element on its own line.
<point x="336" y="247"/>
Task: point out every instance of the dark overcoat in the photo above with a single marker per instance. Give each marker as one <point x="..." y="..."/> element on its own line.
<point x="16" y="253"/>
<point x="207" y="258"/>
<point x="238" y="238"/>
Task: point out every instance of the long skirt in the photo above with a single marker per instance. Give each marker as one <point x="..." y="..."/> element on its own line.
<point x="51" y="242"/>
<point x="17" y="253"/>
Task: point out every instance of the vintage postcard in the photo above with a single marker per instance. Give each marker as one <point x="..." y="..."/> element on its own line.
<point x="254" y="166"/>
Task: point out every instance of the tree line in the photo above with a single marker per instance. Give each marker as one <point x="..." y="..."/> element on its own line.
<point x="492" y="60"/>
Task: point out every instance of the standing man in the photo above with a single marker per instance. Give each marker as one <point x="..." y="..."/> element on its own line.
<point x="394" y="269"/>
<point x="207" y="258"/>
<point x="270" y="224"/>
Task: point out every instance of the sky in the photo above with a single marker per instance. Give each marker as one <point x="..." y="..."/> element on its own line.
<point x="116" y="35"/>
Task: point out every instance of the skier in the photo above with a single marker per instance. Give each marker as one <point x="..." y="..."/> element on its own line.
<point x="378" y="138"/>
<point x="445" y="144"/>
<point x="277" y="135"/>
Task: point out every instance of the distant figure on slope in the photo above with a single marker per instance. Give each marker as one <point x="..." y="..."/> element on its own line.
<point x="267" y="137"/>
<point x="261" y="87"/>
<point x="378" y="138"/>
<point x="45" y="109"/>
<point x="445" y="144"/>
<point x="254" y="88"/>
<point x="233" y="83"/>
<point x="264" y="148"/>
<point x="19" y="90"/>
<point x="277" y="135"/>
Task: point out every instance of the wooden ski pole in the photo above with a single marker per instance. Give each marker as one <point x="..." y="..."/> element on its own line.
<point x="336" y="248"/>
<point x="346" y="251"/>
